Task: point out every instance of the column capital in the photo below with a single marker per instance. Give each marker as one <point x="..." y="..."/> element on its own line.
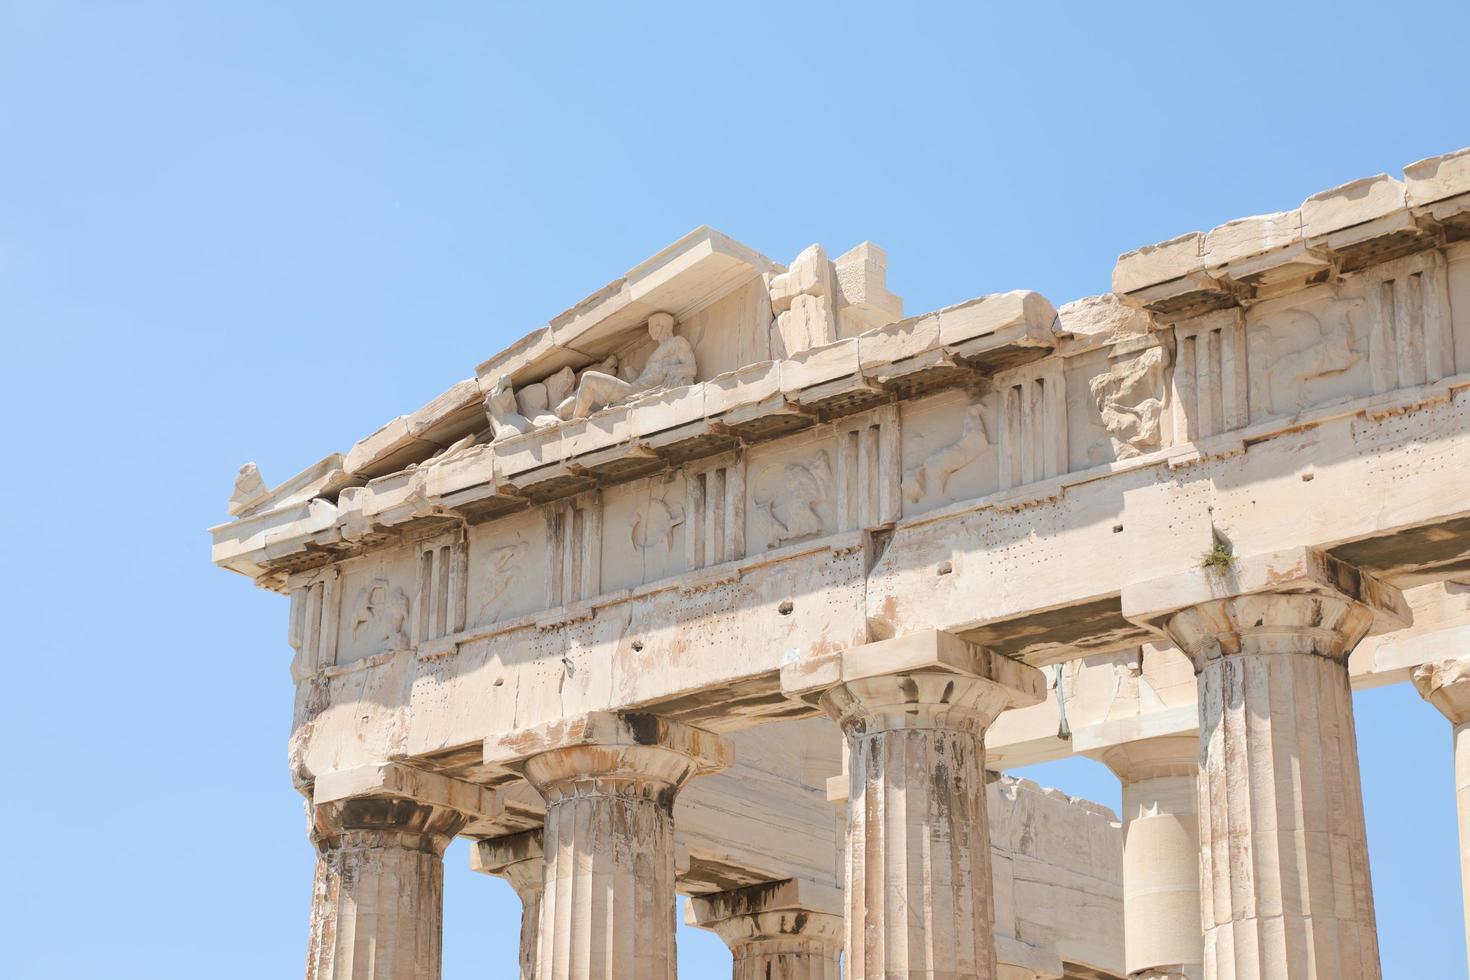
<point x="1301" y="600"/>
<point x="413" y="808"/>
<point x="1446" y="685"/>
<point x="791" y="911"/>
<point x="643" y="753"/>
<point x="926" y="679"/>
<point x="1153" y="758"/>
<point x="518" y="858"/>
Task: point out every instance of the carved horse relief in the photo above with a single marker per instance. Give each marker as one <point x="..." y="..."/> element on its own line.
<point x="381" y="619"/>
<point x="788" y="498"/>
<point x="1305" y="348"/>
<point x="1130" y="401"/>
<point x="506" y="566"/>
<point x="934" y="473"/>
<point x="655" y="520"/>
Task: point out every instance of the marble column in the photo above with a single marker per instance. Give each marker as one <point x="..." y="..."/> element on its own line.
<point x="378" y="898"/>
<point x="919" y="889"/>
<point x="1285" y="889"/>
<point x="1161" y="917"/>
<point x="773" y="931"/>
<point x="1446" y="685"/>
<point x="609" y="782"/>
<point x="518" y="859"/>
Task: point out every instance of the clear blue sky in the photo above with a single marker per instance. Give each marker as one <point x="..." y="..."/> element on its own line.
<point x="257" y="231"/>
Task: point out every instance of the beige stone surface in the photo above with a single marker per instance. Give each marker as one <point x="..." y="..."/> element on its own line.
<point x="1161" y="856"/>
<point x="1446" y="685"/>
<point x="1285" y="886"/>
<point x="719" y="494"/>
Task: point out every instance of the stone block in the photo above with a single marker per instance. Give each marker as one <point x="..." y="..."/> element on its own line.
<point x="1351" y="204"/>
<point x="1436" y="178"/>
<point x="1154" y="264"/>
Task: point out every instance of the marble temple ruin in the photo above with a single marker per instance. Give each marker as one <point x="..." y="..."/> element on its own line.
<point x="735" y="581"/>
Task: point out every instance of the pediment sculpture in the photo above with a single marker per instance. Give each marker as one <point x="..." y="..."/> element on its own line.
<point x="566" y="395"/>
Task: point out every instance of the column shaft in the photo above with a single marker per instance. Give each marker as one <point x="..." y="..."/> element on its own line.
<point x="919" y="887"/>
<point x="1161" y="865"/>
<point x="1446" y="685"/>
<point x="919" y="900"/>
<point x="377" y="899"/>
<point x="609" y="782"/>
<point x="607" y="909"/>
<point x="1285" y="892"/>
<point x="1284" y="855"/>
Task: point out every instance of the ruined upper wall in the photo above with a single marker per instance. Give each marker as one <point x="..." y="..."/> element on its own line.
<point x="1336" y="232"/>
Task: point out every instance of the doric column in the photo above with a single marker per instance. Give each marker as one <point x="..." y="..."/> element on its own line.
<point x="780" y="931"/>
<point x="609" y="781"/>
<point x="1285" y="890"/>
<point x="1446" y="685"/>
<point x="519" y="860"/>
<point x="915" y="710"/>
<point x="1161" y="919"/>
<point x="378" y="899"/>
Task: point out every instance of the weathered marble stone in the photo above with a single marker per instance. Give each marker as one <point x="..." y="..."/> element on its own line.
<point x="1161" y="856"/>
<point x="378" y="897"/>
<point x="1285" y="886"/>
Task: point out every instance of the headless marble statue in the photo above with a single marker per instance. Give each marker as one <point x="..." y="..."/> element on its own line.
<point x="671" y="365"/>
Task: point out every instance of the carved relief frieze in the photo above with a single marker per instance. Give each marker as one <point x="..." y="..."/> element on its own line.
<point x="1308" y="349"/>
<point x="506" y="565"/>
<point x="1130" y="397"/>
<point x="948" y="449"/>
<point x="380" y="618"/>
<point x="715" y="507"/>
<point x="792" y="498"/>
<point x="869" y="469"/>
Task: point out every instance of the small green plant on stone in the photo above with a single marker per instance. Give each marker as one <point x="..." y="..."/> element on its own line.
<point x="1219" y="558"/>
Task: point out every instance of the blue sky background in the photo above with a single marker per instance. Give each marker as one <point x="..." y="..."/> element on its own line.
<point x="258" y="231"/>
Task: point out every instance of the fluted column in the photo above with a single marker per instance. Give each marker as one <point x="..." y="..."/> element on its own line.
<point x="774" y="932"/>
<point x="1446" y="685"/>
<point x="519" y="860"/>
<point x="378" y="898"/>
<point x="1285" y="890"/>
<point x="1161" y="882"/>
<point x="609" y="782"/>
<point x="919" y="888"/>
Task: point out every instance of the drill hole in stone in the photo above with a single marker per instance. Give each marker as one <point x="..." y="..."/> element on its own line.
<point x="946" y="567"/>
<point x="637" y="646"/>
<point x="500" y="682"/>
<point x="785" y="608"/>
<point x="1308" y="477"/>
<point x="1117" y="529"/>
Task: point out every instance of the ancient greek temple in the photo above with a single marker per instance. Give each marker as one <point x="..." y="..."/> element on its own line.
<point x="737" y="581"/>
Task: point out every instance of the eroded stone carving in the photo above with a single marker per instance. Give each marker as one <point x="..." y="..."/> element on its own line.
<point x="1305" y="347"/>
<point x="506" y="565"/>
<point x="503" y="412"/>
<point x="671" y="365"/>
<point x="250" y="489"/>
<point x="934" y="473"/>
<point x="1130" y="399"/>
<point x="801" y="299"/>
<point x="381" y="619"/>
<point x="787" y="498"/>
<point x="654" y="521"/>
